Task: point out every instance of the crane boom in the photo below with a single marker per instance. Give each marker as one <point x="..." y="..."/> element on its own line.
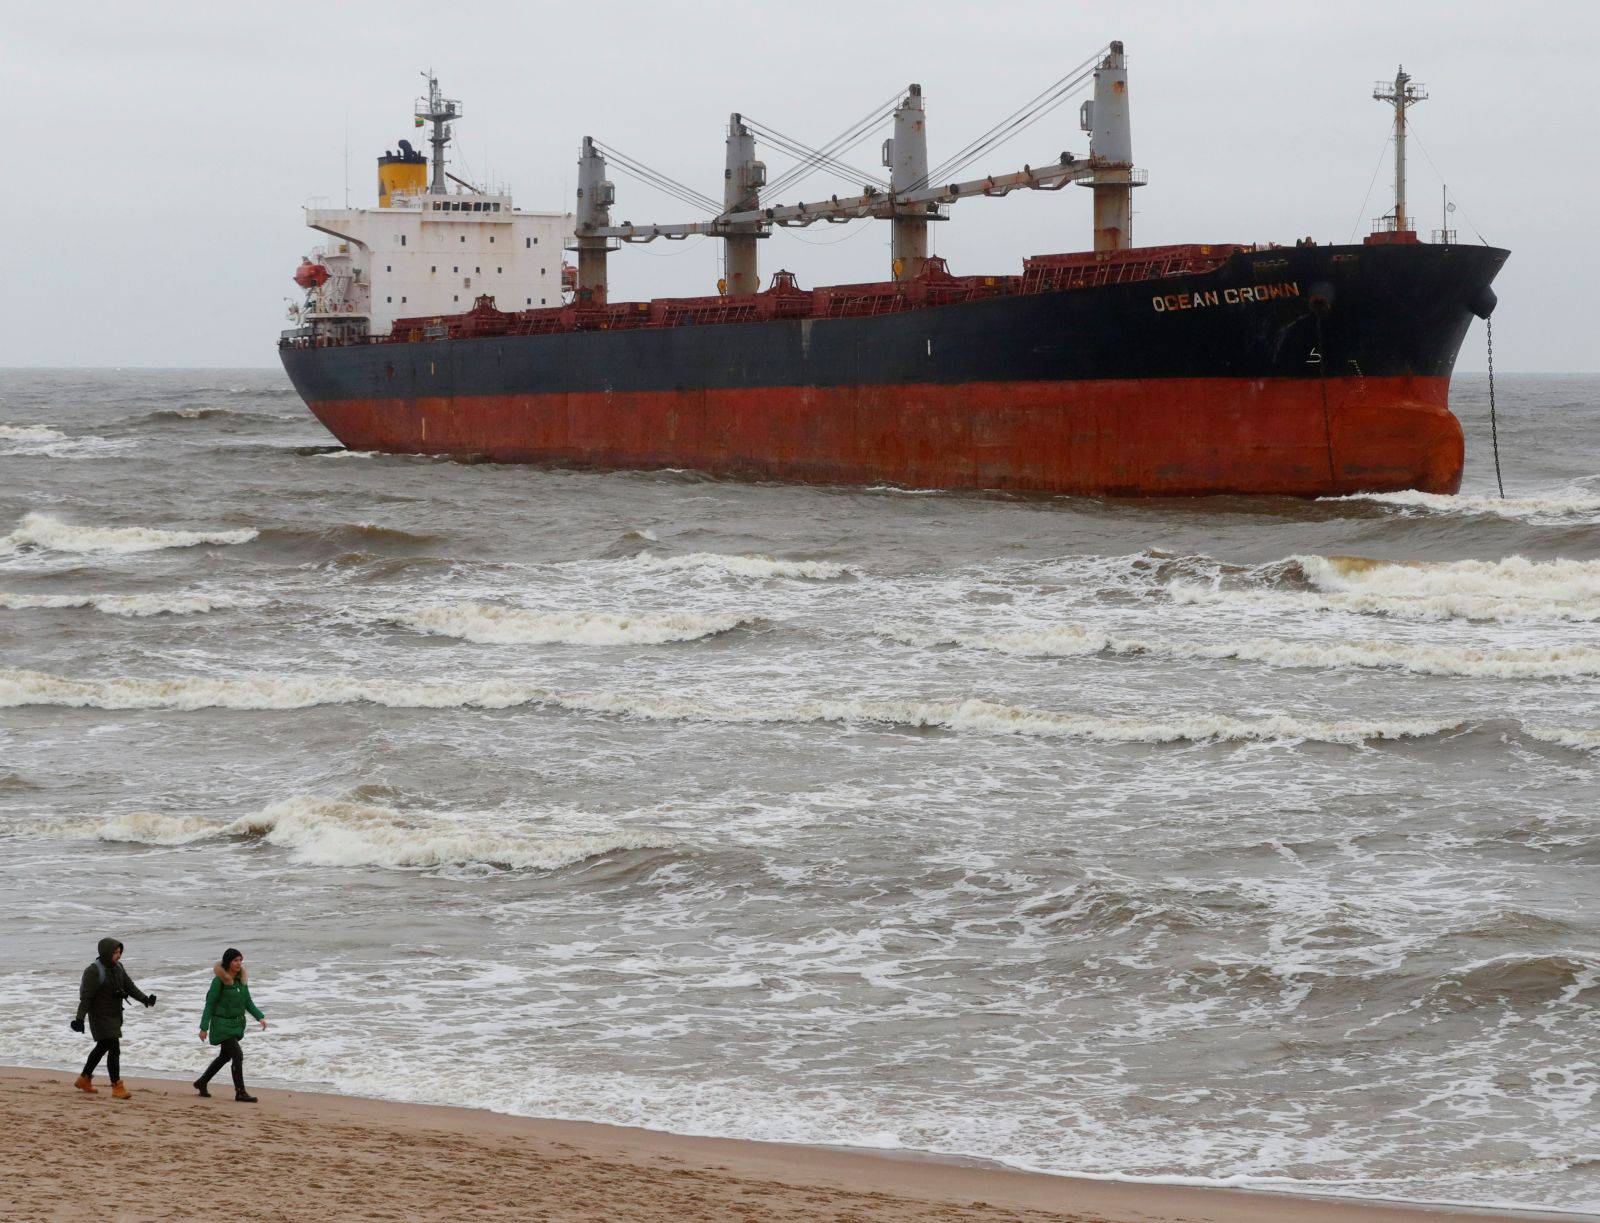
<point x="871" y="203"/>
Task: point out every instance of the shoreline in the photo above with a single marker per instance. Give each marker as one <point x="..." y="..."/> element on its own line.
<point x="305" y="1152"/>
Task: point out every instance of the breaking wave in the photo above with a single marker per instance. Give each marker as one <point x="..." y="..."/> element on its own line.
<point x="1582" y="739"/>
<point x="46" y="533"/>
<point x="337" y="832"/>
<point x="1463" y="503"/>
<point x="1509" y="590"/>
<point x="269" y="692"/>
<point x="170" y="414"/>
<point x="30" y="433"/>
<point x="745" y="566"/>
<point x="124" y="605"/>
<point x="490" y="624"/>
<point x="1071" y="640"/>
<point x="1520" y="978"/>
<point x="367" y="537"/>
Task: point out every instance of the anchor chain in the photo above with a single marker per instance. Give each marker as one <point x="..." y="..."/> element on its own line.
<point x="1494" y="430"/>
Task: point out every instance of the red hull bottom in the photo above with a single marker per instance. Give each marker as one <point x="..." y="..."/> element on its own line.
<point x="1119" y="437"/>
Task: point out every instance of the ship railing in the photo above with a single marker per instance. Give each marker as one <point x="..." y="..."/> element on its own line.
<point x="1443" y="237"/>
<point x="786" y="300"/>
<point x="1092" y="269"/>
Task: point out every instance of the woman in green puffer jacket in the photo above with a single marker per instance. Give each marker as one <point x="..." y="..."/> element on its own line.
<point x="222" y="1022"/>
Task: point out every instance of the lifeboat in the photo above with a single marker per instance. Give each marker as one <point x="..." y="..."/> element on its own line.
<point x="310" y="275"/>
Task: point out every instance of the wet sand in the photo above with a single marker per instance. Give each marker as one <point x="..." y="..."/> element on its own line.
<point x="299" y="1155"/>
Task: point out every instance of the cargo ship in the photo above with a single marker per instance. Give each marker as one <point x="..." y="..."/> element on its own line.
<point x="446" y="321"/>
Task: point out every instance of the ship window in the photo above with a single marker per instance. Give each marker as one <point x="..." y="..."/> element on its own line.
<point x="402" y="239"/>
<point x="434" y="268"/>
<point x="491" y="239"/>
<point x="455" y="297"/>
<point x="475" y="271"/>
<point x="541" y="301"/>
<point x="388" y="299"/>
<point x="497" y="209"/>
<point x="528" y="242"/>
<point x="497" y="271"/>
<point x="530" y="301"/>
<point x="402" y="300"/>
<point x="388" y="267"/>
<point x="466" y="282"/>
<point x="463" y="237"/>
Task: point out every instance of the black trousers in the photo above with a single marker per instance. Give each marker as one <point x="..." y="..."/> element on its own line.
<point x="227" y="1051"/>
<point x="111" y="1050"/>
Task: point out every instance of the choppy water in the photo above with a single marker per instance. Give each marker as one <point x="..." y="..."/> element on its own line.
<point x="1250" y="841"/>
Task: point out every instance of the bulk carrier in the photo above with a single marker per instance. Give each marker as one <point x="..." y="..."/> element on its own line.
<point x="445" y="321"/>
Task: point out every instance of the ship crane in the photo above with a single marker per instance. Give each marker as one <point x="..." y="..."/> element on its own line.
<point x="914" y="196"/>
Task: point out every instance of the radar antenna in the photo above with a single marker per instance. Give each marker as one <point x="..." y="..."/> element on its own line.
<point x="439" y="111"/>
<point x="1402" y="92"/>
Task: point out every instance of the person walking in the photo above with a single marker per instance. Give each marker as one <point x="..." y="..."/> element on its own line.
<point x="222" y="1022"/>
<point x="104" y="985"/>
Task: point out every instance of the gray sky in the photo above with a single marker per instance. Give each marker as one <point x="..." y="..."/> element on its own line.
<point x="160" y="153"/>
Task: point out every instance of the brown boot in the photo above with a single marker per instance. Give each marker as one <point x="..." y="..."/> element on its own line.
<point x="119" y="1092"/>
<point x="84" y="1083"/>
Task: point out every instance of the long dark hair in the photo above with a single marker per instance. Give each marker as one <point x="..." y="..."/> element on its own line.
<point x="229" y="956"/>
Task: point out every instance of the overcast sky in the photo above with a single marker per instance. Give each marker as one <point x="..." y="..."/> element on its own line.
<point x="160" y="153"/>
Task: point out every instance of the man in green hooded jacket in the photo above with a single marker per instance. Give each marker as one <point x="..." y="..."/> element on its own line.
<point x="104" y="985"/>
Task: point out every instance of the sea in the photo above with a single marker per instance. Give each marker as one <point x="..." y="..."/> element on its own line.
<point x="1233" y="841"/>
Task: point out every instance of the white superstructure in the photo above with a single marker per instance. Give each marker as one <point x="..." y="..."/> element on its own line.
<point x="427" y="250"/>
<point x="434" y="254"/>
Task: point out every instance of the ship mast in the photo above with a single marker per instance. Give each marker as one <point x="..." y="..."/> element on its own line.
<point x="1402" y="92"/>
<point x="437" y="110"/>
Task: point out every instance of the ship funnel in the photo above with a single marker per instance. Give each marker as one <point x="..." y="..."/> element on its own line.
<point x="402" y="173"/>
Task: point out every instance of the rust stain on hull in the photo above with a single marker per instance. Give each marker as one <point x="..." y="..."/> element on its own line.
<point x="1140" y="437"/>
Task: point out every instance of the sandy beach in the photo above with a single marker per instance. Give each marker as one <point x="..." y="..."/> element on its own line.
<point x="302" y="1155"/>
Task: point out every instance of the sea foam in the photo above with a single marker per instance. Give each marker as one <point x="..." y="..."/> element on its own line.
<point x="46" y="533"/>
<point x="744" y="566"/>
<point x="491" y="624"/>
<point x="1509" y="590"/>
<point x="1556" y="505"/>
<point x="1420" y="658"/>
<point x="29" y="433"/>
<point x="1582" y="738"/>
<point x="270" y="692"/>
<point x="335" y="832"/>
<point x="124" y="605"/>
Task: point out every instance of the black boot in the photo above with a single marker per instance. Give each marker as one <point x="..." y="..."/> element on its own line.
<point x="200" y="1086"/>
<point x="243" y="1096"/>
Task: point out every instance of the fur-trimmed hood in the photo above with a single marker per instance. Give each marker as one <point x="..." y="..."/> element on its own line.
<point x="226" y="977"/>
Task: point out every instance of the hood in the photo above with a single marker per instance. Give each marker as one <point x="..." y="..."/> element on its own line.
<point x="108" y="947"/>
<point x="226" y="977"/>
